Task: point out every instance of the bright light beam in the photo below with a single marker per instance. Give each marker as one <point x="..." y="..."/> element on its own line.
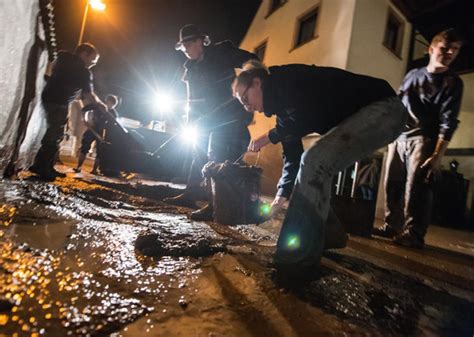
<point x="189" y="135"/>
<point x="164" y="102"/>
<point x="97" y="5"/>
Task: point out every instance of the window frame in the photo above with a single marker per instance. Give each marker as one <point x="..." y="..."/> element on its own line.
<point x="392" y="16"/>
<point x="273" y="9"/>
<point x="264" y="43"/>
<point x="300" y="19"/>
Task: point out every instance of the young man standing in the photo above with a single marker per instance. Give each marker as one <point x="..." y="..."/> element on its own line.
<point x="354" y="114"/>
<point x="220" y="119"/>
<point x="432" y="95"/>
<point x="70" y="78"/>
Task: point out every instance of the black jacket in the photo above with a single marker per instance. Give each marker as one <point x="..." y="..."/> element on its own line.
<point x="69" y="78"/>
<point x="307" y="99"/>
<point x="209" y="86"/>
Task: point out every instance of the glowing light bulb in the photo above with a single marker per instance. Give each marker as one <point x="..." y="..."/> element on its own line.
<point x="97" y="5"/>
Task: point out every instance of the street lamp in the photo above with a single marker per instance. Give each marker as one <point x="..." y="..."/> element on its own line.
<point x="95" y="4"/>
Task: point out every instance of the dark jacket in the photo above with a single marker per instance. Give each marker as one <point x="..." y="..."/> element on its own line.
<point x="209" y="86"/>
<point x="307" y="99"/>
<point x="433" y="101"/>
<point x="69" y="78"/>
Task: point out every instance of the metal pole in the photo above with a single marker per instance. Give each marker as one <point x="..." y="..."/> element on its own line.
<point x="83" y="26"/>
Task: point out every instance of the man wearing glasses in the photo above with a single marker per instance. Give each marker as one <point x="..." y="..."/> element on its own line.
<point x="220" y="119"/>
<point x="354" y="114"/>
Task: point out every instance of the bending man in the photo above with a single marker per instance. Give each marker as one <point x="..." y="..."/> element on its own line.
<point x="354" y="114"/>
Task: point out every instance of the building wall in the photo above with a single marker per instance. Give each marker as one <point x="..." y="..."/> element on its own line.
<point x="367" y="54"/>
<point x="329" y="48"/>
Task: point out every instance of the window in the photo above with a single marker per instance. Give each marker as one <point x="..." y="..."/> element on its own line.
<point x="393" y="38"/>
<point x="307" y="27"/>
<point x="260" y="50"/>
<point x="274" y="5"/>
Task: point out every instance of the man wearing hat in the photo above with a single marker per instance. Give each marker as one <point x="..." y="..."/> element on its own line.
<point x="222" y="122"/>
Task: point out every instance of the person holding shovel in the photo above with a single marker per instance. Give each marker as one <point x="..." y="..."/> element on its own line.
<point x="354" y="114"/>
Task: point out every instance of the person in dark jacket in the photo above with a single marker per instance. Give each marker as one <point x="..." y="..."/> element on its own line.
<point x="432" y="95"/>
<point x="95" y="130"/>
<point x="354" y="114"/>
<point x="220" y="120"/>
<point x="70" y="78"/>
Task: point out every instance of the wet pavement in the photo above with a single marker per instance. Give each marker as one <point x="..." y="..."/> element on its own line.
<point x="86" y="257"/>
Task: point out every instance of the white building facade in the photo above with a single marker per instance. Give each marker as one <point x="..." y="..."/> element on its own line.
<point x="348" y="34"/>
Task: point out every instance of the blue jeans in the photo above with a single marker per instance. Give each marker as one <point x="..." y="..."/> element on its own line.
<point x="301" y="239"/>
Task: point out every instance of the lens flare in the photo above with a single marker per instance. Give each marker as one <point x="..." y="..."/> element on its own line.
<point x="265" y="209"/>
<point x="293" y="242"/>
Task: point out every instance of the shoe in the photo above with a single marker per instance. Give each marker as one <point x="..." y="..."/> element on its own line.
<point x="204" y="214"/>
<point x="77" y="169"/>
<point x="385" y="231"/>
<point x="294" y="276"/>
<point x="181" y="200"/>
<point x="48" y="174"/>
<point x="407" y="239"/>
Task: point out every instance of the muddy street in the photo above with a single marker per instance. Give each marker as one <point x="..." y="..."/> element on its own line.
<point x="97" y="257"/>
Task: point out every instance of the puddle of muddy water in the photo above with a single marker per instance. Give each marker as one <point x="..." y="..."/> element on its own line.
<point x="72" y="263"/>
<point x="69" y="265"/>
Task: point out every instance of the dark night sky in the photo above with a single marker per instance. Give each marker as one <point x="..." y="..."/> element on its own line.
<point x="136" y="40"/>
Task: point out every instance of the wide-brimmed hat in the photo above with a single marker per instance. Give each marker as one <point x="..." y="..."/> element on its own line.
<point x="190" y="32"/>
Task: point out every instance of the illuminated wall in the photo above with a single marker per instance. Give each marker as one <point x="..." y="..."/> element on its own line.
<point x="349" y="35"/>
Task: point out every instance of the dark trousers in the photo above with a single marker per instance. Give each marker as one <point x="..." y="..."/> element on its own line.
<point x="408" y="193"/>
<point x="56" y="118"/>
<point x="218" y="146"/>
<point x="87" y="138"/>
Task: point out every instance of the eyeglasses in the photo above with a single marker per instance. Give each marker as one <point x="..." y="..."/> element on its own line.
<point x="243" y="98"/>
